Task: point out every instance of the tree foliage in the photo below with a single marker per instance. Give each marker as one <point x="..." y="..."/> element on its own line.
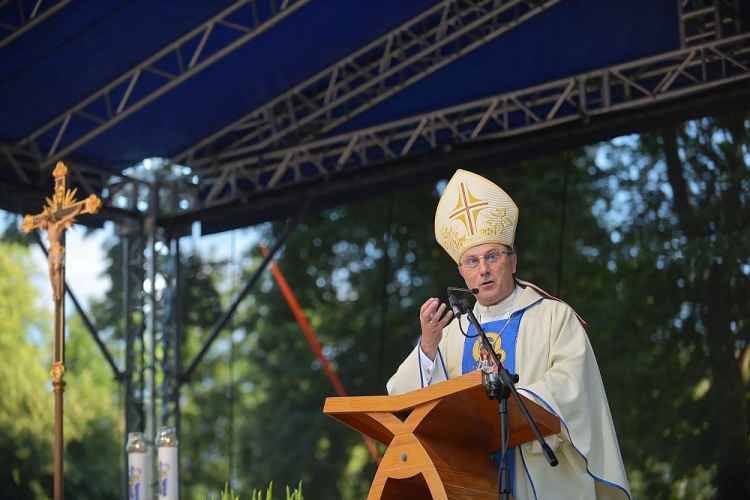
<point x="676" y="203"/>
<point x="92" y="427"/>
<point x="644" y="236"/>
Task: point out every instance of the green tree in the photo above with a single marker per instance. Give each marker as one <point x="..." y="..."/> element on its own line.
<point x="25" y="416"/>
<point x="92" y="430"/>
<point x="676" y="202"/>
<point x="94" y="421"/>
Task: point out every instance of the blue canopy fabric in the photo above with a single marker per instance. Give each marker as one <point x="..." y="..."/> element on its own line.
<point x="87" y="44"/>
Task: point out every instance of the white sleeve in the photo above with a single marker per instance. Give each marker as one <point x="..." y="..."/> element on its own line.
<point x="428" y="366"/>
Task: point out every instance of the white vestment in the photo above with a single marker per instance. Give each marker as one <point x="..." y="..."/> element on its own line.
<point x="557" y="368"/>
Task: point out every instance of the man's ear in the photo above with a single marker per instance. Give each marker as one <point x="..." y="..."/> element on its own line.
<point x="513" y="263"/>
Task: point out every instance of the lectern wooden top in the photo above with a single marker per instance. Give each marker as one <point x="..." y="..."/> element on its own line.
<point x="457" y="409"/>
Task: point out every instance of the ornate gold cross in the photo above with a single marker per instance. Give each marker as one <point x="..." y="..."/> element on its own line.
<point x="468" y="208"/>
<point x="56" y="217"/>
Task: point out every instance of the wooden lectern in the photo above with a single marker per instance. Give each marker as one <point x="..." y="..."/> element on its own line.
<point x="438" y="438"/>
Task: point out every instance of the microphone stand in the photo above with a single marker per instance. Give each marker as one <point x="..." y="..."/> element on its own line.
<point x="500" y="386"/>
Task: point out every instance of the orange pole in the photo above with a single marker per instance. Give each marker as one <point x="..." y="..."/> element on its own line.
<point x="312" y="339"/>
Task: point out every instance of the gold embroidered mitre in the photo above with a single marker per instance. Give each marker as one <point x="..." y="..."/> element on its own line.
<point x="471" y="212"/>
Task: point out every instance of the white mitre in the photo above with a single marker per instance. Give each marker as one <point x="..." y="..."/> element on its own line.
<point x="471" y="212"/>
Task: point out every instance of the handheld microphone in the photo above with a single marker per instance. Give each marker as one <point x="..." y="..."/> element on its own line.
<point x="456" y="289"/>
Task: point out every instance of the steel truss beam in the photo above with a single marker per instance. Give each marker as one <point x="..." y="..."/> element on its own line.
<point x="580" y="97"/>
<point x="414" y="50"/>
<point x="134" y="326"/>
<point x="170" y="338"/>
<point x="704" y="20"/>
<point x="28" y="17"/>
<point x="171" y="66"/>
<point x="23" y="167"/>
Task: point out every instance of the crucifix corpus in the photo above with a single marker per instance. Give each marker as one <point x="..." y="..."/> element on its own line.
<point x="56" y="217"/>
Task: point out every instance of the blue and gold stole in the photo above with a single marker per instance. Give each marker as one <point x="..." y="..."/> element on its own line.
<point x="503" y="335"/>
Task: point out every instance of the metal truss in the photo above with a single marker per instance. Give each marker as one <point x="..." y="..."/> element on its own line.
<point x="368" y="76"/>
<point x="26" y="15"/>
<point x="170" y="339"/>
<point x="134" y="326"/>
<point x="704" y="20"/>
<point x="174" y="64"/>
<point x="152" y="317"/>
<point x="121" y="192"/>
<point x="576" y="98"/>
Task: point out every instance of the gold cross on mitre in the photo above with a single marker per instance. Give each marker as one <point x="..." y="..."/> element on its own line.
<point x="467" y="208"/>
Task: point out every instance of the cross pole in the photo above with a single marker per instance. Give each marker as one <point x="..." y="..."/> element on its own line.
<point x="55" y="218"/>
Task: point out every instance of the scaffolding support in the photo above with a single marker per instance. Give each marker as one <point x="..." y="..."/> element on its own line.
<point x="577" y="98"/>
<point x="133" y="274"/>
<point x="191" y="56"/>
<point x="417" y="48"/>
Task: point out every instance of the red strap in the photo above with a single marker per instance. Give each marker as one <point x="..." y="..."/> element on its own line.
<point x="312" y="339"/>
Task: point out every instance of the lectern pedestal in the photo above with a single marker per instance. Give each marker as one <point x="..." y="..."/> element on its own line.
<point x="438" y="438"/>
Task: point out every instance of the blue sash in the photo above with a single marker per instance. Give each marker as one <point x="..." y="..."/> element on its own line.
<point x="503" y="336"/>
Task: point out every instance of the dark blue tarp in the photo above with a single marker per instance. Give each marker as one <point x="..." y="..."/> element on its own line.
<point x="89" y="43"/>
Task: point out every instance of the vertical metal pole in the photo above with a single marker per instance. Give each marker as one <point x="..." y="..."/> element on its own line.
<point x="58" y="372"/>
<point x="170" y="347"/>
<point x="150" y="398"/>
<point x="132" y="237"/>
<point x="177" y="345"/>
<point x="166" y="365"/>
<point x="59" y="385"/>
<point x="127" y="328"/>
<point x="169" y="340"/>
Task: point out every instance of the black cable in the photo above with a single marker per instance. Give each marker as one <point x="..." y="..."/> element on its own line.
<point x="460" y="327"/>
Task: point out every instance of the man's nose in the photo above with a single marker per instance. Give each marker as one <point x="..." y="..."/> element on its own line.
<point x="483" y="266"/>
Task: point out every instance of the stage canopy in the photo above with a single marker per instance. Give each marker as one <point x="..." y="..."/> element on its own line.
<point x="262" y="104"/>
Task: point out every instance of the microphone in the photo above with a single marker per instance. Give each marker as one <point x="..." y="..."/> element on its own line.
<point x="459" y="306"/>
<point x="456" y="305"/>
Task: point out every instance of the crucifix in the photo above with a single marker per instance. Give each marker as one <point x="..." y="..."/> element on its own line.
<point x="56" y="217"/>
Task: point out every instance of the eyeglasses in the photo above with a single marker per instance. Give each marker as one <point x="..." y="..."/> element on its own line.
<point x="489" y="258"/>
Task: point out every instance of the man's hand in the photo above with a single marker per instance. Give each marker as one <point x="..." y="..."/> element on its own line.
<point x="432" y="325"/>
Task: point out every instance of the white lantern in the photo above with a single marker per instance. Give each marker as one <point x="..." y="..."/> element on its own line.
<point x="166" y="442"/>
<point x="138" y="476"/>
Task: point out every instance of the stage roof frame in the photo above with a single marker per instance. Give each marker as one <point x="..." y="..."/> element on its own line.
<point x="264" y="102"/>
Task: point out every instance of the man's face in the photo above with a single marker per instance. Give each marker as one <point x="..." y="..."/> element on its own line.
<point x="493" y="279"/>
